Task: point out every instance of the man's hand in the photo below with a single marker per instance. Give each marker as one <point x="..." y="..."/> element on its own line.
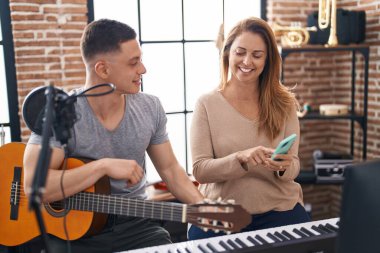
<point x="120" y="169"/>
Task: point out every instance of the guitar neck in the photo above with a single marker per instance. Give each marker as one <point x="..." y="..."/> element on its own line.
<point x="87" y="201"/>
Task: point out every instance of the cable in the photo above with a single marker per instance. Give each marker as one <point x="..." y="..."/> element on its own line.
<point x="65" y="209"/>
<point x="83" y="93"/>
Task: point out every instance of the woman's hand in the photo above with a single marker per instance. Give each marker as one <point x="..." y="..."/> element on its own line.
<point x="280" y="163"/>
<point x="255" y="156"/>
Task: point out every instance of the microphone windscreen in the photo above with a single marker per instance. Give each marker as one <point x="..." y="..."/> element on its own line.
<point x="33" y="108"/>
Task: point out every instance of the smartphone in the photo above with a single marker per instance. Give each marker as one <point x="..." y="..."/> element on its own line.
<point x="284" y="146"/>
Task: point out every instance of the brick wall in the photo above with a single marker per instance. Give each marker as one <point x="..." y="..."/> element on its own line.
<point x="326" y="78"/>
<point x="46" y="39"/>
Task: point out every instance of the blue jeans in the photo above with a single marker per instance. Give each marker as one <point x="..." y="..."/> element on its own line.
<point x="260" y="221"/>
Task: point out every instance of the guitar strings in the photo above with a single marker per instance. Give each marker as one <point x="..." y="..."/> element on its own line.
<point x="120" y="205"/>
<point x="123" y="206"/>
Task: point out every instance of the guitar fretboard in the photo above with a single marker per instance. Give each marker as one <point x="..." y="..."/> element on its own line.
<point x="86" y="201"/>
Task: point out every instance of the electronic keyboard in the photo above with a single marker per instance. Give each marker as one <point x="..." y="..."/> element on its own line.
<point x="315" y="236"/>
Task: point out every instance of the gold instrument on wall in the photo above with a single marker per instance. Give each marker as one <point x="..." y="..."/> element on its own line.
<point x="327" y="9"/>
<point x="294" y="35"/>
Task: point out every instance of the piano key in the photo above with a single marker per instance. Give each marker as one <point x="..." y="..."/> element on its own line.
<point x="325" y="229"/>
<point x="273" y="237"/>
<point x="306" y="231"/>
<point x="289" y="235"/>
<point x="260" y="239"/>
<point x="300" y="233"/>
<point x="211" y="247"/>
<point x="241" y="243"/>
<point x="317" y="229"/>
<point x="253" y="241"/>
<point x="232" y="244"/>
<point x="202" y="248"/>
<point x="224" y="245"/>
<point x="331" y="227"/>
<point x="281" y="236"/>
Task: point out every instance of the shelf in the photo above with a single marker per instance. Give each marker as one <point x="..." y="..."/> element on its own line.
<point x="361" y="118"/>
<point x="316" y="115"/>
<point x="309" y="177"/>
<point x="319" y="48"/>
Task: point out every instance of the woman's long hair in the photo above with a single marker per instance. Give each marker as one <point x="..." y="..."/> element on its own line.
<point x="275" y="100"/>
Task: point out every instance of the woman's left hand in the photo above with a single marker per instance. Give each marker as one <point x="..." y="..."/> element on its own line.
<point x="281" y="162"/>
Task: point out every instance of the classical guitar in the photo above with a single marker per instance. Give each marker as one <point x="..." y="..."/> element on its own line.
<point x="86" y="212"/>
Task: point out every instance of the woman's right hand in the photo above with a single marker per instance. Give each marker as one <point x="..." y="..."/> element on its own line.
<point x="128" y="170"/>
<point x="255" y="156"/>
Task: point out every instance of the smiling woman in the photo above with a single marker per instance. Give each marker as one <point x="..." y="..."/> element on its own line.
<point x="179" y="53"/>
<point x="233" y="135"/>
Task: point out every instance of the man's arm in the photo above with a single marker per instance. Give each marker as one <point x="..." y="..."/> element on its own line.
<point x="77" y="179"/>
<point x="173" y="174"/>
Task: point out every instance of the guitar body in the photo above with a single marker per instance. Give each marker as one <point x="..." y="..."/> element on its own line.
<point x="18" y="223"/>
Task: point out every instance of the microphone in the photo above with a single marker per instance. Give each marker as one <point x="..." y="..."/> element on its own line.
<point x="64" y="116"/>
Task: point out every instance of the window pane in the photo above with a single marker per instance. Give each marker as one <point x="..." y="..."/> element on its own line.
<point x="236" y="10"/>
<point x="4" y="113"/>
<point x="202" y="70"/>
<point x="122" y="10"/>
<point x="202" y="19"/>
<point x="176" y="131"/>
<point x="164" y="76"/>
<point x="161" y="20"/>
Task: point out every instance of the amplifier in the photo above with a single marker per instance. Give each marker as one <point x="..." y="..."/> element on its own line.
<point x="328" y="170"/>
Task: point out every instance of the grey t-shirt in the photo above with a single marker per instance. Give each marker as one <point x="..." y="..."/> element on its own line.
<point x="143" y="124"/>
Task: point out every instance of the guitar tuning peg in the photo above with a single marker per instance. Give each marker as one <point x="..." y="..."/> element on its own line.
<point x="219" y="199"/>
<point x="206" y="201"/>
<point x="228" y="232"/>
<point x="216" y="231"/>
<point x="205" y="229"/>
<point x="214" y="222"/>
<point x="231" y="201"/>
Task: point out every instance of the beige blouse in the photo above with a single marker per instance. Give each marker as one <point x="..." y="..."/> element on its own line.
<point x="218" y="132"/>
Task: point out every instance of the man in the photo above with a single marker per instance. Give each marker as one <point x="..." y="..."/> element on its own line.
<point x="116" y="130"/>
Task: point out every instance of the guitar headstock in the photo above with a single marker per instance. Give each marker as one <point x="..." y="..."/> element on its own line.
<point x="218" y="216"/>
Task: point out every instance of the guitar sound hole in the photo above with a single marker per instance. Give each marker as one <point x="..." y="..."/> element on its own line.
<point x="56" y="209"/>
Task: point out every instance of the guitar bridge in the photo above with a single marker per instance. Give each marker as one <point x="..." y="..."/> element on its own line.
<point x="15" y="193"/>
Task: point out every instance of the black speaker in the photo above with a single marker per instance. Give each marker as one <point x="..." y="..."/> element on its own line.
<point x="350" y="27"/>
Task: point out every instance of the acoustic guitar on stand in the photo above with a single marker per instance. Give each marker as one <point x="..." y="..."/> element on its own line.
<point x="86" y="212"/>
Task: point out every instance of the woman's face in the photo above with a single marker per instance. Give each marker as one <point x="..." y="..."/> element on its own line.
<point x="247" y="57"/>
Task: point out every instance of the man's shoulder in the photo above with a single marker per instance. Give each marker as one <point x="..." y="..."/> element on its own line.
<point x="144" y="101"/>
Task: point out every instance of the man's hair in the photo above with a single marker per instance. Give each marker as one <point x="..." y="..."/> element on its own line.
<point x="104" y="36"/>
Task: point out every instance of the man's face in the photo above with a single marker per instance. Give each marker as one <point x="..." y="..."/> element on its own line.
<point x="125" y="67"/>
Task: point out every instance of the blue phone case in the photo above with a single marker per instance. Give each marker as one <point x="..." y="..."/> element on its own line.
<point x="284" y="146"/>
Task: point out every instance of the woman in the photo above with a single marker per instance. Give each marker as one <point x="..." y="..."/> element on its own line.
<point x="236" y="128"/>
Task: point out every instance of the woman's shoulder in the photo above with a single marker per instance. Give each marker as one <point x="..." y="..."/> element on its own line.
<point x="210" y="97"/>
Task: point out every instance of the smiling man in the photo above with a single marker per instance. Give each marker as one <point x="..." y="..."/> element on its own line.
<point x="115" y="130"/>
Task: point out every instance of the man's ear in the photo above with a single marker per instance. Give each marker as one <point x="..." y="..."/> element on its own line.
<point x="101" y="69"/>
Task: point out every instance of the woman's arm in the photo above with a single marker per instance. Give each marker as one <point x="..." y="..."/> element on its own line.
<point x="207" y="168"/>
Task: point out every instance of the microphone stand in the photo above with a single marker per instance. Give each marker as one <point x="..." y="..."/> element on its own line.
<point x="40" y="174"/>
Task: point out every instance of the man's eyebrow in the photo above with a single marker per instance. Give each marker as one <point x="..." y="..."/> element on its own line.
<point x="135" y="58"/>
